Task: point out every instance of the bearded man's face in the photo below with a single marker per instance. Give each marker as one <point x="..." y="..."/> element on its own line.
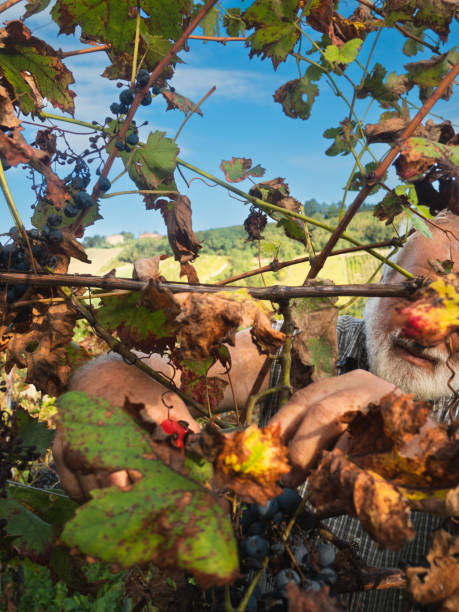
<point x="429" y="372"/>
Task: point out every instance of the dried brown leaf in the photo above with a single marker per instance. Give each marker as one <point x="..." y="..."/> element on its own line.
<point x="316" y="342"/>
<point x="439" y="583"/>
<point x="177" y="215"/>
<point x="147" y="268"/>
<point x="381" y="508"/>
<point x="311" y="601"/>
<point x="8" y="117"/>
<point x="43" y="349"/>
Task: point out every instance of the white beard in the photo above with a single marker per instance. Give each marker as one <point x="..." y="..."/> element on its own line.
<point x="396" y="370"/>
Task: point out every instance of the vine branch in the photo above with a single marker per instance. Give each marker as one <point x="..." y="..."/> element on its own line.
<point x="378" y="174"/>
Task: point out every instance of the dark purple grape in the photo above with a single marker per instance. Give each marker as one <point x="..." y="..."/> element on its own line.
<point x="104" y="184"/>
<point x="143" y="76"/>
<point x="54" y="220"/>
<point x="283" y="578"/>
<point x="312" y="585"/>
<point x="83" y="200"/>
<point x="70" y="210"/>
<point x="120" y="145"/>
<point x="55" y="236"/>
<point x="256" y="547"/>
<point x="256" y="528"/>
<point x="126" y="97"/>
<point x="155" y="90"/>
<point x="132" y="139"/>
<point x="289" y="500"/>
<point x="269" y="510"/>
<point x="52" y="262"/>
<point x="34" y="234"/>
<point x="325" y="554"/>
<point x="146" y="100"/>
<point x="115" y="108"/>
<point x="327" y="576"/>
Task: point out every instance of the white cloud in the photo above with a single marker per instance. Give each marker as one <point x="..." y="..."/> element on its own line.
<point x="231" y="84"/>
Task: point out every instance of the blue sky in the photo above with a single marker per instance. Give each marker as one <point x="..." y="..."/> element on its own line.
<point x="240" y="119"/>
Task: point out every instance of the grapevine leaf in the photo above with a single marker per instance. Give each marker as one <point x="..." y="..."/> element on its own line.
<point x="435" y="14"/>
<point x="344" y="138"/>
<point x="297" y="97"/>
<point x="15" y="150"/>
<point x="43" y="209"/>
<point x="32" y="431"/>
<point x="34" y="7"/>
<point x="345" y="54"/>
<point x="210" y="22"/>
<point x="53" y="509"/>
<point x="173" y="521"/>
<point x="382" y="510"/>
<point x="182" y="239"/>
<point x="32" y="534"/>
<point x="50" y="333"/>
<point x="153" y="163"/>
<point x="412" y="46"/>
<point x="428" y="73"/>
<point x="316" y="343"/>
<point x="388" y="91"/>
<point x="359" y="179"/>
<point x="418" y="155"/>
<point x="175" y="100"/>
<point x="32" y="70"/>
<point x="419" y="224"/>
<point x="195" y="382"/>
<point x="208" y="320"/>
<point x="137" y="326"/>
<point x="275" y="33"/>
<point x="390" y="206"/>
<point x="438" y="584"/>
<point x="300" y="600"/>
<point x="436" y="313"/>
<point x="338" y="29"/>
<point x="8" y="117"/>
<point x="233" y="22"/>
<point x="250" y="462"/>
<point x="239" y="168"/>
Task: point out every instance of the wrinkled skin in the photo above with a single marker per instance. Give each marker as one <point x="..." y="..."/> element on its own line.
<point x="310" y="421"/>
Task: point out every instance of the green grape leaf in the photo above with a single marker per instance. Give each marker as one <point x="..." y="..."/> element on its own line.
<point x="32" y="431"/>
<point x="43" y="209"/>
<point x="391" y="205"/>
<point x="359" y="180"/>
<point x="177" y="101"/>
<point x="54" y="508"/>
<point x="34" y="7"/>
<point x="419" y="224"/>
<point x="386" y="92"/>
<point x="411" y="46"/>
<point x="292" y="229"/>
<point x="344" y="138"/>
<point x="173" y="521"/>
<point x="32" y="70"/>
<point x="210" y="23"/>
<point x="428" y="73"/>
<point x="137" y="326"/>
<point x="434" y="14"/>
<point x="233" y="23"/>
<point x="297" y="97"/>
<point x="345" y="54"/>
<point x="153" y="163"/>
<point x="239" y="168"/>
<point x="32" y="534"/>
<point x="275" y="33"/>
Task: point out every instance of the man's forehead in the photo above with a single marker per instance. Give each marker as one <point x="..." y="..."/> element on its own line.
<point x="416" y="254"/>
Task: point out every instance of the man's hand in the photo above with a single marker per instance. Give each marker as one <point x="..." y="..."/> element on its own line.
<point x="310" y="420"/>
<point x="111" y="379"/>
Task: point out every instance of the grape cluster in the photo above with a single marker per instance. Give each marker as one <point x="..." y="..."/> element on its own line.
<point x="13" y="452"/>
<point x="255" y="224"/>
<point x="16" y="257"/>
<point x="261" y="530"/>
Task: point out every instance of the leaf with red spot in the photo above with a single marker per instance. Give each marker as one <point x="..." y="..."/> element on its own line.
<point x="173" y="520"/>
<point x="239" y="168"/>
